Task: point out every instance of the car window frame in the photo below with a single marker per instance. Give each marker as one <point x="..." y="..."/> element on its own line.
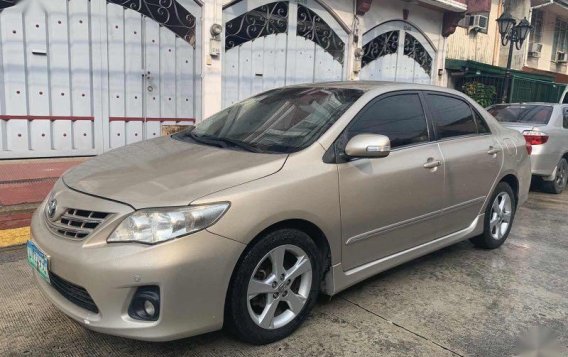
<point x="471" y="108"/>
<point x="386" y="96"/>
<point x="332" y="154"/>
<point x="564" y="116"/>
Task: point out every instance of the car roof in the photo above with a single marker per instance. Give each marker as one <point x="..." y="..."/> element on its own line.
<point x="372" y="85"/>
<point x="531" y="103"/>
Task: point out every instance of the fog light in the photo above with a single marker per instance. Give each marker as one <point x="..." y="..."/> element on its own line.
<point x="145" y="304"/>
<point x="149" y="308"/>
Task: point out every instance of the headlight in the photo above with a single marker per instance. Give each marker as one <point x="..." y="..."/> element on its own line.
<point x="153" y="226"/>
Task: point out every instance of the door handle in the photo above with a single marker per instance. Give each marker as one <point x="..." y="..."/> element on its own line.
<point x="432" y="164"/>
<point x="493" y="150"/>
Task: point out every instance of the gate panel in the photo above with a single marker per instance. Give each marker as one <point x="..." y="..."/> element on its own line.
<point x="81" y="71"/>
<point x="59" y="75"/>
<point x="55" y="53"/>
<point x="152" y="83"/>
<point x="134" y="80"/>
<point x="397" y="51"/>
<point x="271" y="44"/>
<point x="15" y="81"/>
<point x="38" y="81"/>
<point x="116" y="75"/>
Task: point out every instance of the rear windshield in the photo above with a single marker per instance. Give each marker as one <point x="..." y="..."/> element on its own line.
<point x="520" y="113"/>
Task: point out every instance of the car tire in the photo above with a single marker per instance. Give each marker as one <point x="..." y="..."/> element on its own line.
<point x="499" y="217"/>
<point x="558" y="185"/>
<point x="267" y="281"/>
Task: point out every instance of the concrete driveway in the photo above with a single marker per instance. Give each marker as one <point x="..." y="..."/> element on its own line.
<point x="458" y="301"/>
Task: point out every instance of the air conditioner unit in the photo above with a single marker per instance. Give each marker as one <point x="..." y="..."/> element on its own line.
<point x="561" y="57"/>
<point x="478" y="23"/>
<point x="535" y="49"/>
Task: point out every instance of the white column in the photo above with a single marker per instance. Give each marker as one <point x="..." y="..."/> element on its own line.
<point x="212" y="66"/>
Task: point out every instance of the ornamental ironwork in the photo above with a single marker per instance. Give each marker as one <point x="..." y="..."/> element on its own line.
<point x="265" y="20"/>
<point x="168" y="13"/>
<point x="382" y="45"/>
<point x="312" y="27"/>
<point x="414" y="49"/>
<point x="7" y="3"/>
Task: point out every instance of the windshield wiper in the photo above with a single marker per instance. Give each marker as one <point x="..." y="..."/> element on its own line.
<point x="239" y="144"/>
<point x="205" y="140"/>
<point x="223" y="142"/>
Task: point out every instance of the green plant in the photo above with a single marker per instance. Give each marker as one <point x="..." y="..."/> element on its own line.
<point x="484" y="94"/>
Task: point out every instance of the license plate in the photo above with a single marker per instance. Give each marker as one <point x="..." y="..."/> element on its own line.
<point x="38" y="260"/>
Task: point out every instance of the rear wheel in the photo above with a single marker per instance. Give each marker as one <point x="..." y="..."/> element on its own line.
<point x="499" y="217"/>
<point x="274" y="287"/>
<point x="559" y="183"/>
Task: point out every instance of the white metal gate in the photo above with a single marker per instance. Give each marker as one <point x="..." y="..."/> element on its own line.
<point x="79" y="77"/>
<point x="270" y="44"/>
<point x="397" y="51"/>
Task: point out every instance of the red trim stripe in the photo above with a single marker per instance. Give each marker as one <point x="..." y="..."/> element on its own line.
<point x="44" y="117"/>
<point x="127" y="119"/>
<point x="77" y="118"/>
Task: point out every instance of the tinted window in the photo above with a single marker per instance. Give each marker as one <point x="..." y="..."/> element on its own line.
<point x="521" y="113"/>
<point x="482" y="126"/>
<point x="280" y="121"/>
<point x="399" y="117"/>
<point x="451" y="116"/>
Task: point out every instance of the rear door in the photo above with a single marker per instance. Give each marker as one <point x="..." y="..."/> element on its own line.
<point x="472" y="155"/>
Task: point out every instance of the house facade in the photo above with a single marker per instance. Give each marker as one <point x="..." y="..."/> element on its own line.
<point x="81" y="77"/>
<point x="476" y="59"/>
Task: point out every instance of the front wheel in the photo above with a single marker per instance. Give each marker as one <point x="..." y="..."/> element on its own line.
<point x="274" y="287"/>
<point x="499" y="216"/>
<point x="558" y="185"/>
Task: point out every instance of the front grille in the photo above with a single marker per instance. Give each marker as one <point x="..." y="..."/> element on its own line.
<point x="77" y="223"/>
<point x="74" y="293"/>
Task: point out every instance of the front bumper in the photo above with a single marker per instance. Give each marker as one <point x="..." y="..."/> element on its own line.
<point x="193" y="274"/>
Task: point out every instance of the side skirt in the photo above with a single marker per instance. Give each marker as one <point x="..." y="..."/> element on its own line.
<point x="337" y="279"/>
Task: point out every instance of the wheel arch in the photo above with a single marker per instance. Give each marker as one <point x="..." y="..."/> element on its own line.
<point x="512" y="181"/>
<point x="311" y="229"/>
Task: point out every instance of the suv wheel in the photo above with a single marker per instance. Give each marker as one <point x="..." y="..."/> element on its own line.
<point x="559" y="183"/>
<point x="274" y="287"/>
<point x="499" y="216"/>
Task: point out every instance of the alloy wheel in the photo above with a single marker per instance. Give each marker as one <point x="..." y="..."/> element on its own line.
<point x="562" y="174"/>
<point x="279" y="287"/>
<point x="501" y="214"/>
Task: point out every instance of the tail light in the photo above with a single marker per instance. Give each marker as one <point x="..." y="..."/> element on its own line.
<point x="534" y="137"/>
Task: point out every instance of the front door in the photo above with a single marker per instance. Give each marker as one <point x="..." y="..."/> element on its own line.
<point x="391" y="204"/>
<point x="473" y="159"/>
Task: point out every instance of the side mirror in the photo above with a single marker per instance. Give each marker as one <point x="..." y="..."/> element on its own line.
<point x="368" y="146"/>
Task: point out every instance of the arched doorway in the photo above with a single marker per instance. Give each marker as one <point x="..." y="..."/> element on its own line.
<point x="271" y="44"/>
<point x="397" y="51"/>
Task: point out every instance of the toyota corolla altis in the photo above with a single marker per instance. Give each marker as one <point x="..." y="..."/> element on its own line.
<point x="243" y="220"/>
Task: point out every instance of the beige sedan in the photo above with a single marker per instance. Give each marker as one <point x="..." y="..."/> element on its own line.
<point x="243" y="220"/>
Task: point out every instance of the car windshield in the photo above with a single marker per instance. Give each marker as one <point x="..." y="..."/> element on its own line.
<point x="279" y="121"/>
<point x="520" y="113"/>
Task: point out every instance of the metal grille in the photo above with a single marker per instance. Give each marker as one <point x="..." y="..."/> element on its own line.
<point x="74" y="293"/>
<point x="76" y="223"/>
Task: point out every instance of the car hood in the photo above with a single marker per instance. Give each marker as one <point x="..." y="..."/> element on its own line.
<point x="167" y="172"/>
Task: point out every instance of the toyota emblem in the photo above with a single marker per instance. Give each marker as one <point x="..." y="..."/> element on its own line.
<point x="51" y="207"/>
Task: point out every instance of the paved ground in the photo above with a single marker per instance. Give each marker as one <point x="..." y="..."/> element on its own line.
<point x="458" y="301"/>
